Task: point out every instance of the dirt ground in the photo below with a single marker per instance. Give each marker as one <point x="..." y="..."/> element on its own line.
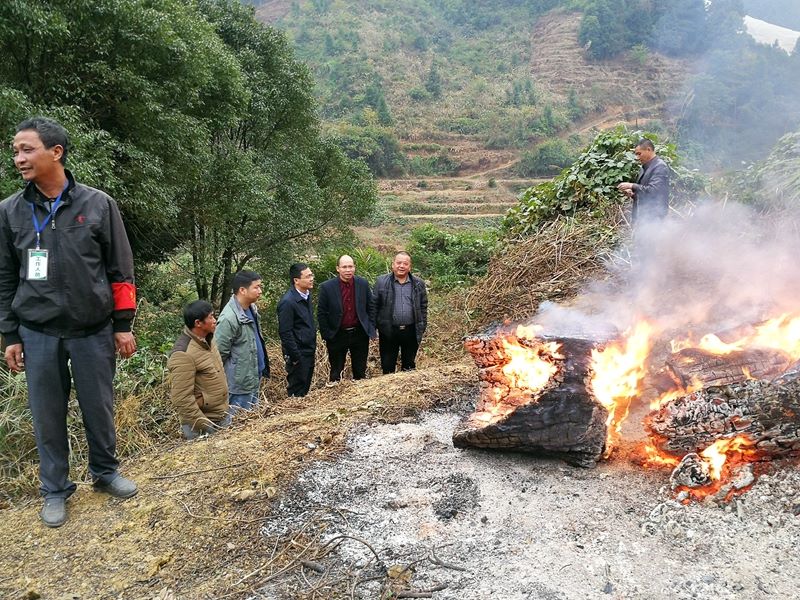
<point x="358" y="492"/>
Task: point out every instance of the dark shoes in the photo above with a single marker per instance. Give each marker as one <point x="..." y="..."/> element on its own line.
<point x="54" y="512"/>
<point x="119" y="487"/>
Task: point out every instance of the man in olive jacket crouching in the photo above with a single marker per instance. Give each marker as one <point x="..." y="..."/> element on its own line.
<point x="198" y="388"/>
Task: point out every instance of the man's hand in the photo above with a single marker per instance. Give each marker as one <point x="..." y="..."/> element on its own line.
<point x="14" y="358"/>
<point x="125" y="343"/>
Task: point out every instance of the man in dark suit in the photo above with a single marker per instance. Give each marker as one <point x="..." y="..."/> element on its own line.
<point x="343" y="314"/>
<point x="297" y="330"/>
<point x="650" y="193"/>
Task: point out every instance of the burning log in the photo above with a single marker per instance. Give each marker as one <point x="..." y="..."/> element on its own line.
<point x="698" y="368"/>
<point x="535" y="397"/>
<point x="766" y="412"/>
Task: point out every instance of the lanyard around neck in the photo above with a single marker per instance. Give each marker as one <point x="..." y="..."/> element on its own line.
<point x="39" y="228"/>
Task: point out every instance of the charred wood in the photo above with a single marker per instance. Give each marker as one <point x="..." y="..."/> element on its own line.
<point x="767" y="412"/>
<point x="692" y="366"/>
<point x="562" y="419"/>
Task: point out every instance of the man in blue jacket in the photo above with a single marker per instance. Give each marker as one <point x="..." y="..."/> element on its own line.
<point x="650" y="193"/>
<point x="343" y="313"/>
<point x="240" y="342"/>
<point x="297" y="330"/>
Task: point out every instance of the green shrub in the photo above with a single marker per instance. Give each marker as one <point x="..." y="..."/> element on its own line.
<point x="590" y="183"/>
<point x="451" y="258"/>
<point x="441" y="164"/>
<point x="547" y="159"/>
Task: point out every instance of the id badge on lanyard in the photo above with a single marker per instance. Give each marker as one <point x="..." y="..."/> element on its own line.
<point x="37" y="257"/>
<point x="37" y="264"/>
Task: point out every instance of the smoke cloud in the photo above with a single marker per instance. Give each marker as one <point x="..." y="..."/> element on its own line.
<point x="720" y="267"/>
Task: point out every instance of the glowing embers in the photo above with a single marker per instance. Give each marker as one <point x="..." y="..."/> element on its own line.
<point x="722" y="470"/>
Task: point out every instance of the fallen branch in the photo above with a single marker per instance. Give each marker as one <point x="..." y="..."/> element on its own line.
<point x="422" y="593"/>
<point x="440" y="563"/>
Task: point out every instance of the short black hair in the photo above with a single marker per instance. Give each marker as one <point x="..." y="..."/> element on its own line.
<point x="645" y="143"/>
<point x="196" y="311"/>
<point x="243" y="279"/>
<point x="296" y="271"/>
<point x="51" y="132"/>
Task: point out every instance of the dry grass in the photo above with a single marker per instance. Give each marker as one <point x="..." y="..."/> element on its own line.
<point x="191" y="531"/>
<point x="550" y="265"/>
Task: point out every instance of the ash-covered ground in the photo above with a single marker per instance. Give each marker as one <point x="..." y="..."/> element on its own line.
<point x="513" y="526"/>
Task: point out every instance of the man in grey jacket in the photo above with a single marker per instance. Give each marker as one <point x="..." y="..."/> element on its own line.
<point x="400" y="302"/>
<point x="240" y="342"/>
<point x="650" y="192"/>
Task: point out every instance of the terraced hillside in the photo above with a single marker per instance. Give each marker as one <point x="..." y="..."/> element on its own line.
<point x="469" y="123"/>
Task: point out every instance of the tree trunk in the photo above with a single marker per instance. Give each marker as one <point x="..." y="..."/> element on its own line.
<point x="561" y="419"/>
<point x="768" y="412"/>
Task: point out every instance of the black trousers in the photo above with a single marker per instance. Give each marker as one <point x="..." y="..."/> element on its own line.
<point x="299" y="375"/>
<point x="403" y="340"/>
<point x="355" y="341"/>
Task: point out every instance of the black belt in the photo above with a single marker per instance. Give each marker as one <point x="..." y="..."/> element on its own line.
<point x="402" y="327"/>
<point x="349" y="329"/>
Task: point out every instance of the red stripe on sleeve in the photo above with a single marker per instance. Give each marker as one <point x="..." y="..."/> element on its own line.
<point x="124" y="296"/>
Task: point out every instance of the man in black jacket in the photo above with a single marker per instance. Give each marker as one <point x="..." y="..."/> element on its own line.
<point x="297" y="330"/>
<point x="343" y="313"/>
<point x="67" y="299"/>
<point x="650" y="193"/>
<point x="401" y="308"/>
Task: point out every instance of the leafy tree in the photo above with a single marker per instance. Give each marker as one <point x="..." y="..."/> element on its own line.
<point x="197" y="118"/>
<point x="602" y="30"/>
<point x="263" y="200"/>
<point x="681" y="28"/>
<point x="374" y="97"/>
<point x="547" y="159"/>
<point x="376" y="146"/>
<point x="147" y="80"/>
<point x="433" y="82"/>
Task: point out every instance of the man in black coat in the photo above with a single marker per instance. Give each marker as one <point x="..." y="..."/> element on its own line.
<point x="297" y="330"/>
<point x="650" y="193"/>
<point x="401" y="309"/>
<point x="343" y="313"/>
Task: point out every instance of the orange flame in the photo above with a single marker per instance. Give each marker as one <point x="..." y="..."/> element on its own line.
<point x="716" y="455"/>
<point x="653" y="458"/>
<point x="679" y="392"/>
<point x="781" y="333"/>
<point x="530" y="368"/>
<point x="618" y="371"/>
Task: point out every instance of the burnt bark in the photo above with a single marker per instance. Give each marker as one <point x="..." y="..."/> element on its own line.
<point x="694" y="366"/>
<point x="562" y="419"/>
<point x="766" y="411"/>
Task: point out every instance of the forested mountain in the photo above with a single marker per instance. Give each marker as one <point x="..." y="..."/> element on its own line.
<point x="415" y="78"/>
